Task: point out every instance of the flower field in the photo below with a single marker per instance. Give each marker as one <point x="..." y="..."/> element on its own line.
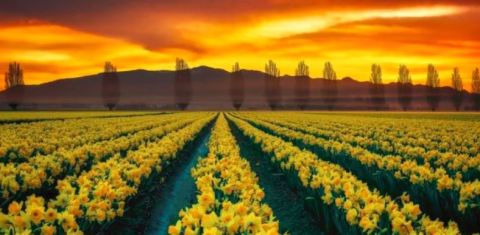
<point x="261" y="173"/>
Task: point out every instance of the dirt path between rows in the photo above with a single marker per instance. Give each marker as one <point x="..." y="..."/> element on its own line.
<point x="286" y="204"/>
<point x="178" y="192"/>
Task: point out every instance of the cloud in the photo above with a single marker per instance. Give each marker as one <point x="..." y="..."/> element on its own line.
<point x="75" y="39"/>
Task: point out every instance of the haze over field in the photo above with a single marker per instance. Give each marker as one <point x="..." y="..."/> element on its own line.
<point x="54" y="40"/>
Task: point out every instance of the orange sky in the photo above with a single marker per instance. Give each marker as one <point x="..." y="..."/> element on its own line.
<point x="53" y="40"/>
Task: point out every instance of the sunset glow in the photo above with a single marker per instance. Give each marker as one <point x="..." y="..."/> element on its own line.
<point x="72" y="41"/>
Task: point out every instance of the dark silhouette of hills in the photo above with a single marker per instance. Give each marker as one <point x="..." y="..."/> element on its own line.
<point x="141" y="89"/>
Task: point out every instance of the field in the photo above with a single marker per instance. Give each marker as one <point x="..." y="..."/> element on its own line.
<point x="239" y="173"/>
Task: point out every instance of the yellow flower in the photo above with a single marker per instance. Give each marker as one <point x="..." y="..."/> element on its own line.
<point x="338" y="202"/>
<point x="120" y="212"/>
<point x="35" y="201"/>
<point x="68" y="221"/>
<point x="411" y="210"/>
<point x="352" y="216"/>
<point x="252" y="221"/>
<point x="347" y="205"/>
<point x="405" y="197"/>
<point x="4" y="221"/>
<point x="366" y="224"/>
<point x="233" y="225"/>
<point x="48" y="229"/>
<point x="400" y="226"/>
<point x="209" y="220"/>
<point x="211" y="231"/>
<point x="175" y="230"/>
<point x="327" y="198"/>
<point x="241" y="209"/>
<point x="36" y="214"/>
<point x="25" y="232"/>
<point x="444" y="183"/>
<point x="189" y="231"/>
<point x="19" y="221"/>
<point x="14" y="208"/>
<point x="101" y="215"/>
<point x="206" y="199"/>
<point x="50" y="215"/>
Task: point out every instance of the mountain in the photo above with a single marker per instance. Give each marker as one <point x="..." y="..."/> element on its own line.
<point x="141" y="89"/>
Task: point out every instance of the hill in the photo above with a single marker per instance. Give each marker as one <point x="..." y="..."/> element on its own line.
<point x="140" y="89"/>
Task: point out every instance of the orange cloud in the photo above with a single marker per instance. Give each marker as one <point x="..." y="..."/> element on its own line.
<point x="70" y="41"/>
<point x="58" y="52"/>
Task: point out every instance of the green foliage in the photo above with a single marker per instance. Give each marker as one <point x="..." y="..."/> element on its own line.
<point x="432" y="76"/>
<point x="302" y="70"/>
<point x="271" y="69"/>
<point x="404" y="75"/>
<point x="457" y="80"/>
<point x="328" y="72"/>
<point x="14" y="76"/>
<point x="476" y="81"/>
<point x="376" y="75"/>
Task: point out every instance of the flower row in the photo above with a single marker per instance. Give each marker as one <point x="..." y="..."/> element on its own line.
<point x="42" y="171"/>
<point x="438" y="194"/>
<point x="18" y="142"/>
<point x="384" y="142"/>
<point x="90" y="201"/>
<point x="340" y="196"/>
<point x="229" y="199"/>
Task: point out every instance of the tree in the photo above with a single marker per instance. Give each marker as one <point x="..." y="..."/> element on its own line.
<point x="302" y="85"/>
<point x="183" y="84"/>
<point x="404" y="87"/>
<point x="330" y="86"/>
<point x="14" y="85"/>
<point x="476" y="88"/>
<point x="273" y="91"/>
<point x="110" y="86"/>
<point x="433" y="83"/>
<point x="237" y="86"/>
<point x="377" y="91"/>
<point x="457" y="95"/>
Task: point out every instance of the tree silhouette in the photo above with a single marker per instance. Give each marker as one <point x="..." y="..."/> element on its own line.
<point x="183" y="84"/>
<point x="432" y="91"/>
<point x="457" y="95"/>
<point x="302" y="85"/>
<point x="110" y="86"/>
<point x="273" y="91"/>
<point x="476" y="88"/>
<point x="404" y="87"/>
<point x="377" y="91"/>
<point x="14" y="85"/>
<point x="330" y="86"/>
<point x="237" y="86"/>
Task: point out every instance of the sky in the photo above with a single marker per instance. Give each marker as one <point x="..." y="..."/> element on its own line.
<point x="55" y="39"/>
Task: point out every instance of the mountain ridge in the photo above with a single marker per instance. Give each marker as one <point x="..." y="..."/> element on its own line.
<point x="142" y="88"/>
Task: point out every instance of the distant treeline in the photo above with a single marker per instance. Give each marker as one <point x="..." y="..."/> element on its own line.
<point x="14" y="84"/>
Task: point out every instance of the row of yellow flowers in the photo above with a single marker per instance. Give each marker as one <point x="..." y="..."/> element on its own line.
<point x="341" y="196"/>
<point x="18" y="142"/>
<point x="445" y="197"/>
<point x="42" y="170"/>
<point x="90" y="201"/>
<point x="457" y="137"/>
<point x="385" y="139"/>
<point x="24" y="116"/>
<point x="229" y="199"/>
